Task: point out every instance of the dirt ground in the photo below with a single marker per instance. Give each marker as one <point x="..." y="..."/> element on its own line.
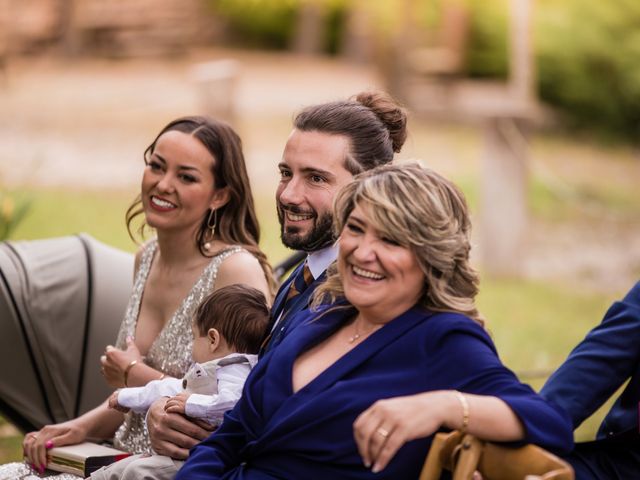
<point x="85" y="123"/>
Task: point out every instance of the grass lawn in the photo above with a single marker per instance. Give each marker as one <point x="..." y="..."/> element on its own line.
<point x="10" y="446"/>
<point x="534" y="324"/>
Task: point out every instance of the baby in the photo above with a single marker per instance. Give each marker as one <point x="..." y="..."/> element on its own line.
<point x="228" y="327"/>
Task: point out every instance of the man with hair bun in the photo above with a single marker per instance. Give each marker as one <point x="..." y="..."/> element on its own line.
<point x="329" y="144"/>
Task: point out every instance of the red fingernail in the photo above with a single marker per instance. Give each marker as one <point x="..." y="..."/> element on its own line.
<point x="48" y="445"/>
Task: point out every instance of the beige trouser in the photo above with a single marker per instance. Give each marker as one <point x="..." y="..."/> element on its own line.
<point x="140" y="467"/>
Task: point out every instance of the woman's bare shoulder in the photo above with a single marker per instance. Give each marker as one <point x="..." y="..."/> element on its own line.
<point x="242" y="267"/>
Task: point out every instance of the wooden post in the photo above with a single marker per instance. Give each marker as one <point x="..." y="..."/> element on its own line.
<point x="393" y="52"/>
<point x="68" y="27"/>
<point x="504" y="184"/>
<point x="503" y="215"/>
<point x="309" y="36"/>
<point x="216" y="84"/>
<point x="522" y="72"/>
<point x="5" y="40"/>
<point x="357" y="43"/>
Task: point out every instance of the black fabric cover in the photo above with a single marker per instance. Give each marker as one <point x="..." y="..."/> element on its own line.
<point x="61" y="302"/>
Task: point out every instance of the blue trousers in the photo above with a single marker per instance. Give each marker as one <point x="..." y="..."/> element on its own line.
<point x="617" y="458"/>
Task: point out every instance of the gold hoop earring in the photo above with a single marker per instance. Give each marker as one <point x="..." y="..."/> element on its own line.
<point x="211" y="227"/>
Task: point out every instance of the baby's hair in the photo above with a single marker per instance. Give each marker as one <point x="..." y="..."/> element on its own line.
<point x="239" y="312"/>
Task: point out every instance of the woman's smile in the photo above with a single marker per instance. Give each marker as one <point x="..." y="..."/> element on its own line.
<point x="368" y="274"/>
<point x="178" y="185"/>
<point x="161" y="205"/>
<point x="380" y="277"/>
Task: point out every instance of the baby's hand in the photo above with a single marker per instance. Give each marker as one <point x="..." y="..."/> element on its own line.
<point x="113" y="403"/>
<point x="177" y="404"/>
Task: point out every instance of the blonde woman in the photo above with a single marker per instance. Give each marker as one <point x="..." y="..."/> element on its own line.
<point x="397" y="352"/>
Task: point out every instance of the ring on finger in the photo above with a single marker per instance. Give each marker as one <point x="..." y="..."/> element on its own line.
<point x="382" y="432"/>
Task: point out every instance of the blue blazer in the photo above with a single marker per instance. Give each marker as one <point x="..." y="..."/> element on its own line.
<point x="275" y="433"/>
<point x="598" y="366"/>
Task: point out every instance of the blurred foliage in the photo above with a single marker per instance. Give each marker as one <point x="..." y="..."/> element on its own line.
<point x="488" y="55"/>
<point x="264" y="23"/>
<point x="272" y="23"/>
<point x="589" y="61"/>
<point x="588" y="52"/>
<point x="12" y="211"/>
<point x="587" y="57"/>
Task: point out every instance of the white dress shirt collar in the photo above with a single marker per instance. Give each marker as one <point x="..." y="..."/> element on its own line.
<point x="320" y="260"/>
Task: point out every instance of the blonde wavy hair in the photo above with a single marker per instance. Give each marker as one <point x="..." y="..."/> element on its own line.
<point x="424" y="212"/>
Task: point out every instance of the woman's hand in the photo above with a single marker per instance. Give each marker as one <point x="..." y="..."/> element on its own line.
<point x="115" y="361"/>
<point x="177" y="404"/>
<point x="388" y="424"/>
<point x="36" y="444"/>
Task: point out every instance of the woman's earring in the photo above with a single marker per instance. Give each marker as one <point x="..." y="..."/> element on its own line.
<point x="211" y="227"/>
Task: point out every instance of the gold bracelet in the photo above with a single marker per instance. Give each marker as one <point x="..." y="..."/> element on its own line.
<point x="465" y="411"/>
<point x="127" y="370"/>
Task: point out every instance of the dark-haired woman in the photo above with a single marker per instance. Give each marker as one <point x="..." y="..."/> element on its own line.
<point x="195" y="194"/>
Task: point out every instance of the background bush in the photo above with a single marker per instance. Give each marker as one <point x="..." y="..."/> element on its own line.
<point x="258" y="23"/>
<point x="587" y="51"/>
<point x="588" y="56"/>
<point x="271" y="23"/>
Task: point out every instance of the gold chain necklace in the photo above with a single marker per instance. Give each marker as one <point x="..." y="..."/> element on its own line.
<point x="353" y="337"/>
<point x="357" y="335"/>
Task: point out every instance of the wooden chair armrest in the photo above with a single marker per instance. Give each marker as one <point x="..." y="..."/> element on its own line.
<point x="464" y="454"/>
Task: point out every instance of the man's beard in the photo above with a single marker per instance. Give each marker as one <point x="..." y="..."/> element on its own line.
<point x="320" y="236"/>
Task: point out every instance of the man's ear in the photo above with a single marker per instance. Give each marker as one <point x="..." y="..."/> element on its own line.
<point x="220" y="198"/>
<point x="214" y="339"/>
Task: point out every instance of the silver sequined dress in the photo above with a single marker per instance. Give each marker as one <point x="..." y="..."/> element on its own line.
<point x="170" y="353"/>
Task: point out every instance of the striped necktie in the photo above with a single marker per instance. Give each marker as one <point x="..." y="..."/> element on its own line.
<point x="299" y="284"/>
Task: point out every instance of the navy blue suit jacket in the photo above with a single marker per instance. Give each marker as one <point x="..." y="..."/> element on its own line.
<point x="299" y="304"/>
<point x="275" y="433"/>
<point x="607" y="357"/>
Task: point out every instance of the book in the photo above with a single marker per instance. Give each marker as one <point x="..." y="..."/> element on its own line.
<point x="82" y="459"/>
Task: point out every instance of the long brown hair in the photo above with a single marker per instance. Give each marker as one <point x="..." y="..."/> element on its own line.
<point x="237" y="220"/>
